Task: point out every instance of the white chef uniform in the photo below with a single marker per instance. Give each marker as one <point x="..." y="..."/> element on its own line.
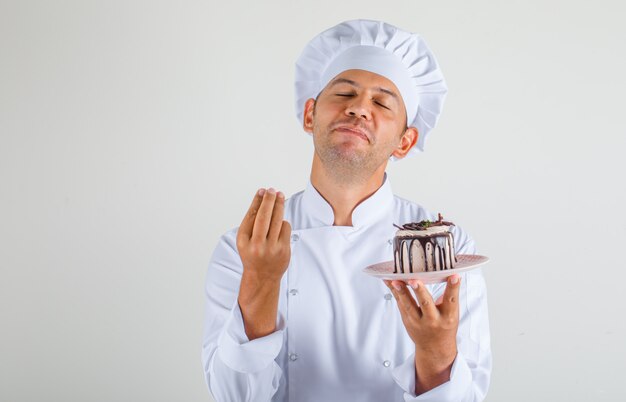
<point x="339" y="333"/>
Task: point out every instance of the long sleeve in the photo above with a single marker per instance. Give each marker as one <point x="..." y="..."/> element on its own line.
<point x="236" y="369"/>
<point x="471" y="369"/>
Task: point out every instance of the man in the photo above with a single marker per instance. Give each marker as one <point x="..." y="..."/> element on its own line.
<point x="290" y="316"/>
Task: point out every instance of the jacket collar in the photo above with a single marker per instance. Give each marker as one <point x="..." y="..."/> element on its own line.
<point x="369" y="211"/>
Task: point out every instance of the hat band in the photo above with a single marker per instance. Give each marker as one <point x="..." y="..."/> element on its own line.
<point x="379" y="61"/>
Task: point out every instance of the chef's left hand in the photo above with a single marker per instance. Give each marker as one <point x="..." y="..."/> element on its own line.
<point x="432" y="326"/>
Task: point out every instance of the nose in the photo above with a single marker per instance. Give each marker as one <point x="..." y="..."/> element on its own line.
<point x="358" y="108"/>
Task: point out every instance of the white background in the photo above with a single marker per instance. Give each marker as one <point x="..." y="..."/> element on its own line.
<point x="134" y="133"/>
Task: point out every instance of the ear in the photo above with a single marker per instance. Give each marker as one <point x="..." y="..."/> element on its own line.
<point x="307" y="120"/>
<point x="408" y="140"/>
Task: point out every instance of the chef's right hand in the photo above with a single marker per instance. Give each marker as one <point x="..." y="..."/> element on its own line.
<point x="263" y="238"/>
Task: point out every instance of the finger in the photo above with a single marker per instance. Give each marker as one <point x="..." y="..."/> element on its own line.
<point x="285" y="233"/>
<point x="277" y="217"/>
<point x="450" y="303"/>
<point x="263" y="217"/>
<point x="404" y="298"/>
<point x="425" y="300"/>
<point x="245" y="229"/>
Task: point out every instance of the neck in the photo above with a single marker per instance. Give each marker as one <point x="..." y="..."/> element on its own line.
<point x="344" y="194"/>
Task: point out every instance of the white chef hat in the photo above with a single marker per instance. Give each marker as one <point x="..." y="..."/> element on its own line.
<point x="400" y="56"/>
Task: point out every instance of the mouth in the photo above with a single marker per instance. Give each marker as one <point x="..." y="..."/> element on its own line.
<point x="354" y="131"/>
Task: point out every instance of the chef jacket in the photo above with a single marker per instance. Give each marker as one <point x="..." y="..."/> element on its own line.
<point x="339" y="335"/>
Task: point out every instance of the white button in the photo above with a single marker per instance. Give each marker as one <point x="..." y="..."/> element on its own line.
<point x="293" y="292"/>
<point x="388" y="296"/>
<point x="295" y="237"/>
<point x="386" y="363"/>
<point x="293" y="357"/>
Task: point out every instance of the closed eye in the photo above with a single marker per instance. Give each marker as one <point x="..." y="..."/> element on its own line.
<point x="375" y="101"/>
<point x="380" y="104"/>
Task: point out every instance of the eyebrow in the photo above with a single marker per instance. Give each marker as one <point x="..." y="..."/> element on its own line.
<point x="355" y="84"/>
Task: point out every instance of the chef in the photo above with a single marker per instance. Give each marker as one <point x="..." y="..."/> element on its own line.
<point x="289" y="313"/>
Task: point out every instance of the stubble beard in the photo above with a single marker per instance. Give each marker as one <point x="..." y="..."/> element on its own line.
<point x="346" y="164"/>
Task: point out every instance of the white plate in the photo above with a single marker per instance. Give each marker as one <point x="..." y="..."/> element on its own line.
<point x="465" y="262"/>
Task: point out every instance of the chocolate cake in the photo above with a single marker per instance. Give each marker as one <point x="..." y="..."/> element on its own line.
<point x="424" y="246"/>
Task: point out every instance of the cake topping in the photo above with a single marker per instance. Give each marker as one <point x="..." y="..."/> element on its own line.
<point x="423" y="225"/>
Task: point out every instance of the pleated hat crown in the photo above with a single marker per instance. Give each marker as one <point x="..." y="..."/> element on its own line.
<point x="400" y="56"/>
